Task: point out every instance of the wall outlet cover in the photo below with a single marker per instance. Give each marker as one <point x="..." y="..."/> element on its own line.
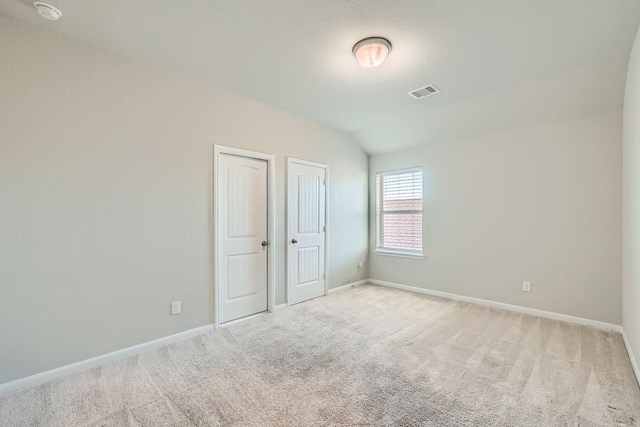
<point x="526" y="286"/>
<point x="175" y="307"/>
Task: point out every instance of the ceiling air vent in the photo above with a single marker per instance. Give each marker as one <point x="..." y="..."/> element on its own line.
<point x="423" y="92"/>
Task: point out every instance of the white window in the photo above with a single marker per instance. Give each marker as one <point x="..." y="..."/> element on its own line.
<point x="399" y="212"/>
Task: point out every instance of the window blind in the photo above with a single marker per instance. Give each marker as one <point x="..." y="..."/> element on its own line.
<point x="399" y="211"/>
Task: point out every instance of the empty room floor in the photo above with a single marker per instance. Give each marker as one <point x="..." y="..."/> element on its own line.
<point x="366" y="356"/>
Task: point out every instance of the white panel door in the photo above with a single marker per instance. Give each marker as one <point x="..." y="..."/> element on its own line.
<point x="242" y="216"/>
<point x="306" y="231"/>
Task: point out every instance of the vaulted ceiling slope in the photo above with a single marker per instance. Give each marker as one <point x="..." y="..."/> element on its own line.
<point x="499" y="63"/>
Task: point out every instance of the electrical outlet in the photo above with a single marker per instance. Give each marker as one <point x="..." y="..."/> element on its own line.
<point x="175" y="307"/>
<point x="359" y="265"/>
<point x="526" y="286"/>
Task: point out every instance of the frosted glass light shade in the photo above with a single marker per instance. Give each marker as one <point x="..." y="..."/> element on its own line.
<point x="371" y="52"/>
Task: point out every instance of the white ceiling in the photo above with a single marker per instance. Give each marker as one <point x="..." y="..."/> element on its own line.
<point x="499" y="63"/>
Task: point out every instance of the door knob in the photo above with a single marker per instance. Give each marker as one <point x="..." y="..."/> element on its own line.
<point x="264" y="243"/>
<point x="294" y="241"/>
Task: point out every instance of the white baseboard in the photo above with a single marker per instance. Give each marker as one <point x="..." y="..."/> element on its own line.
<point x="73" y="368"/>
<point x="83" y="365"/>
<point x="632" y="358"/>
<point x="526" y="310"/>
<point x="517" y="308"/>
<point x="348" y="286"/>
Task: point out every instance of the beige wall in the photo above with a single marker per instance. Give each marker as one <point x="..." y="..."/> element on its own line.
<point x="540" y="204"/>
<point x="631" y="203"/>
<point x="106" y="197"/>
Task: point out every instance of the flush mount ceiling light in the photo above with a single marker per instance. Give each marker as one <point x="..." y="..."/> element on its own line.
<point x="47" y="11"/>
<point x="371" y="51"/>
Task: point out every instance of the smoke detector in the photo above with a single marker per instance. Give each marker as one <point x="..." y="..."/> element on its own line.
<point x="423" y="92"/>
<point x="47" y="11"/>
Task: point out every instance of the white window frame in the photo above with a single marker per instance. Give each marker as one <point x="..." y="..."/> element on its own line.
<point x="380" y="250"/>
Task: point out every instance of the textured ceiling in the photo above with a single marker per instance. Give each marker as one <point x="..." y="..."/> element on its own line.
<point x="499" y="63"/>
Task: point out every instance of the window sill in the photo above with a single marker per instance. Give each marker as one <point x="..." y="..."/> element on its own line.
<point x="399" y="254"/>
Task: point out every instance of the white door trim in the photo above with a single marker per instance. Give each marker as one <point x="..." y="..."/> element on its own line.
<point x="271" y="223"/>
<point x="291" y="160"/>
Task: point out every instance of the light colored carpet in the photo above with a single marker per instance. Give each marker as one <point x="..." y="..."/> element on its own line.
<point x="367" y="356"/>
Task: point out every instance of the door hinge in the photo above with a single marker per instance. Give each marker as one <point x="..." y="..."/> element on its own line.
<point x="324" y="228"/>
<point x="324" y="275"/>
<point x="324" y="182"/>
